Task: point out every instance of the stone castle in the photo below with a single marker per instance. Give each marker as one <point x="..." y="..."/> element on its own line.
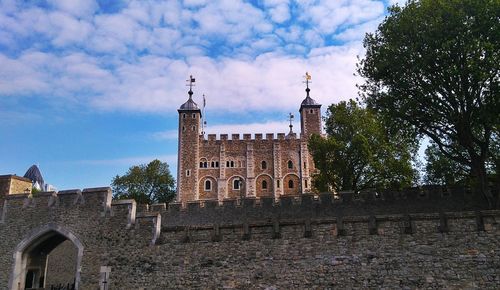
<point x="217" y="169"/>
<point x="431" y="237"/>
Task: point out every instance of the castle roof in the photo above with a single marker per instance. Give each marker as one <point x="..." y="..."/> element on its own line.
<point x="34" y="175"/>
<point x="189" y="105"/>
<point x="308" y="101"/>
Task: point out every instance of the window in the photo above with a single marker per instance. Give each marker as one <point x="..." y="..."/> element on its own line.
<point x="277" y="183"/>
<point x="304" y="165"/>
<point x="227" y="163"/>
<point x="188" y="172"/>
<point x="194" y="116"/>
<point x="217" y="164"/>
<point x="193" y="128"/>
<point x="205" y="164"/>
<point x="305" y="181"/>
<point x="264" y="165"/>
<point x="290" y="164"/>
<point x="264" y="184"/>
<point x="290" y="183"/>
<point x="208" y="185"/>
<point x="183" y="128"/>
<point x="236" y="184"/>
<point x="212" y="164"/>
<point x="232" y="164"/>
<point x="201" y="164"/>
<point x="184" y="116"/>
<point x="311" y="111"/>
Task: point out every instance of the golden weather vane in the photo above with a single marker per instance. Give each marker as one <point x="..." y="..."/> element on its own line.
<point x="308" y="79"/>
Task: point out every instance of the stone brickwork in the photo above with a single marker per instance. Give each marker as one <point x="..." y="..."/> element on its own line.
<point x="429" y="238"/>
<point x="242" y="166"/>
<point x="11" y="184"/>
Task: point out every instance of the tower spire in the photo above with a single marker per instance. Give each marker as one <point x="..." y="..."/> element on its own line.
<point x="308" y="80"/>
<point x="290" y="119"/>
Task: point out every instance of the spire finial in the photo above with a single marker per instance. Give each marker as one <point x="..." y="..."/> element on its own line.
<point x="308" y="80"/>
<point x="191" y="85"/>
<point x="290" y="119"/>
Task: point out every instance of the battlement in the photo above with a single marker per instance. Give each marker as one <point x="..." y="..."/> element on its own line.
<point x="411" y="200"/>
<point x="247" y="137"/>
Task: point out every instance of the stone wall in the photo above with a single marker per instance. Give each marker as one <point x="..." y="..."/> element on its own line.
<point x="10" y="184"/>
<point x="429" y="238"/>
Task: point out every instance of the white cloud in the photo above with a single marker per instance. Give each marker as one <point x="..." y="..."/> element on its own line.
<point x="78" y="8"/>
<point x="247" y="128"/>
<point x="138" y="58"/>
<point x="130" y="161"/>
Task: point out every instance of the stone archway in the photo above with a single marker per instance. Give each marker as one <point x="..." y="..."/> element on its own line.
<point x="31" y="257"/>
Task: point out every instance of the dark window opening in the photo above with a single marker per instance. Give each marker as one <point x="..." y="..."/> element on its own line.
<point x="208" y="185"/>
<point x="264" y="184"/>
<point x="236" y="184"/>
<point x="290" y="164"/>
<point x="290" y="183"/>
<point x="264" y="165"/>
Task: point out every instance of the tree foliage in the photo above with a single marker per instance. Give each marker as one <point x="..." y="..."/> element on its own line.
<point x="433" y="66"/>
<point x="441" y="170"/>
<point x="358" y="153"/>
<point x="149" y="183"/>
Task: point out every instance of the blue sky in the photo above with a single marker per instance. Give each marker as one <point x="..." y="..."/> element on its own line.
<point x="89" y="88"/>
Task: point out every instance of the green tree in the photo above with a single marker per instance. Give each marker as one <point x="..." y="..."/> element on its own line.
<point x="433" y="66"/>
<point x="441" y="170"/>
<point x="358" y="153"/>
<point x="149" y="183"/>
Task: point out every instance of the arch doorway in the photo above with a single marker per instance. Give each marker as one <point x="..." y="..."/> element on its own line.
<point x="49" y="257"/>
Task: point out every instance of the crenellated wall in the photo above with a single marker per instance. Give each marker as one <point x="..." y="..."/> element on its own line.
<point x="417" y="238"/>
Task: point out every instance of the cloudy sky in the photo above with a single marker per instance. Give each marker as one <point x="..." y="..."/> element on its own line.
<point x="89" y="88"/>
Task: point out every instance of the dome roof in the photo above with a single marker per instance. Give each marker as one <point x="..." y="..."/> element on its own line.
<point x="35" y="175"/>
<point x="190" y="105"/>
<point x="308" y="101"/>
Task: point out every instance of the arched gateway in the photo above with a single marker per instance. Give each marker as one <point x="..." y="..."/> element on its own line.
<point x="31" y="268"/>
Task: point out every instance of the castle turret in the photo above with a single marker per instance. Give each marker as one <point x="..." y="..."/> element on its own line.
<point x="310" y="114"/>
<point x="188" y="154"/>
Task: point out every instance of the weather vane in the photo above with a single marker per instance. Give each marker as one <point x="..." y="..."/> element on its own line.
<point x="191" y="84"/>
<point x="308" y="79"/>
<point x="290" y="119"/>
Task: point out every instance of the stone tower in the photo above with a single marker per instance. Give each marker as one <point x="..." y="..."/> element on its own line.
<point x="189" y="151"/>
<point x="310" y="116"/>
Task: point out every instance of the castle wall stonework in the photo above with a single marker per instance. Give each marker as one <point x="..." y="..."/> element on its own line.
<point x="418" y="238"/>
<point x="287" y="161"/>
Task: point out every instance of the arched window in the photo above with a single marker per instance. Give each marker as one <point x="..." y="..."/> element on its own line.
<point x="208" y="185"/>
<point x="201" y="164"/>
<point x="205" y="164"/>
<point x="306" y="182"/>
<point x="232" y="163"/>
<point x="264" y="165"/>
<point x="236" y="184"/>
<point x="290" y="183"/>
<point x="264" y="184"/>
<point x="184" y="116"/>
<point x="217" y="164"/>
<point x="290" y="164"/>
<point x="194" y="116"/>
